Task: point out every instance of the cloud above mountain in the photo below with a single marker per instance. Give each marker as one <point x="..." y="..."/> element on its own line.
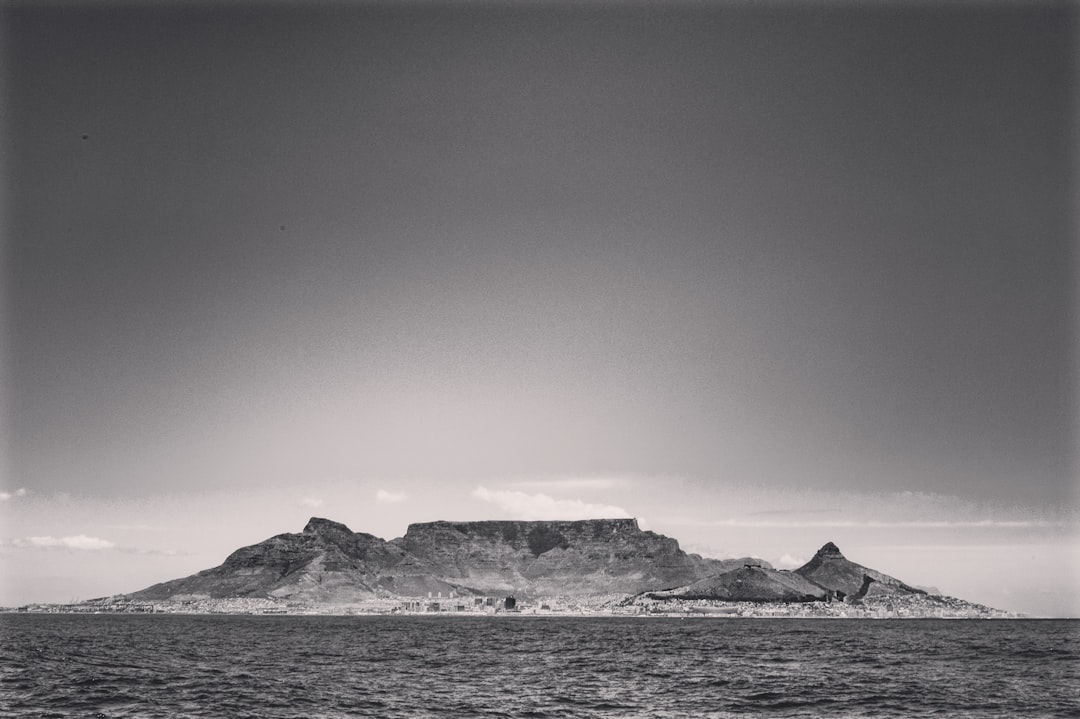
<point x="79" y="542"/>
<point x="569" y="483"/>
<point x="789" y="562"/>
<point x="531" y="507"/>
<point x="876" y="524"/>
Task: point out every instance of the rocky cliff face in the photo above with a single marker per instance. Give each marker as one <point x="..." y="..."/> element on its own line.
<point x="329" y="563"/>
<point x="548" y="558"/>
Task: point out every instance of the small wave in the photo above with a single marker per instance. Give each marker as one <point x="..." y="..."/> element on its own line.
<point x="187" y="667"/>
<point x="1051" y="653"/>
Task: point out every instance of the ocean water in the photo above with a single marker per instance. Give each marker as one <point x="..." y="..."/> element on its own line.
<point x="294" y="666"/>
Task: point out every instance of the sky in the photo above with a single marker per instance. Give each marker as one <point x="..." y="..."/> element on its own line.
<point x="762" y="274"/>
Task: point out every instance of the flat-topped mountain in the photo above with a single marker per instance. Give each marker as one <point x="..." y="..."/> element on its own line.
<point x="554" y="557"/>
<point x="329" y="563"/>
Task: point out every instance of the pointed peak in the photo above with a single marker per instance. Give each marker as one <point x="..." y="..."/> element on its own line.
<point x="829" y="550"/>
<point x="318" y="525"/>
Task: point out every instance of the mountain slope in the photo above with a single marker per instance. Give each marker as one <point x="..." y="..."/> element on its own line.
<point x="327" y="562"/>
<point x="830" y="569"/>
<point x="751" y="583"/>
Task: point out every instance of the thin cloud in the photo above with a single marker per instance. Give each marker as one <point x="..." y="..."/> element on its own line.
<point x="152" y="552"/>
<point x="584" y="483"/>
<point x="83" y="543"/>
<point x="390" y="497"/>
<point x="871" y="524"/>
<point x="789" y="512"/>
<point x="531" y="507"/>
<point x="789" y="562"/>
<point x="313" y="502"/>
<point x="7" y="496"/>
<point x="78" y="542"/>
<point x="980" y="548"/>
<point x="706" y="550"/>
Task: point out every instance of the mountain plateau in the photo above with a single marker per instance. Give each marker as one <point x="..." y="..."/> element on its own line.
<point x="328" y="563"/>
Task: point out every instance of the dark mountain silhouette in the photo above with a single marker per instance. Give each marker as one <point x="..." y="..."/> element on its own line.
<point x="751" y="583"/>
<point x="830" y="569"/>
<point x="329" y="563"/>
<point x="827" y="576"/>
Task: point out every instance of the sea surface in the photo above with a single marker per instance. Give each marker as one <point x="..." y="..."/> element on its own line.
<point x="447" y="667"/>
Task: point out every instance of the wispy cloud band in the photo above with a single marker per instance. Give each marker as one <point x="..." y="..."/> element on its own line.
<point x="79" y="542"/>
<point x="882" y="524"/>
<point x="386" y="497"/>
<point x="576" y="483"/>
<point x="532" y="507"/>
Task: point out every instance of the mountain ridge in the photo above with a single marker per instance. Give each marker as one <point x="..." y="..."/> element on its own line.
<point x="830" y="569"/>
<point x="610" y="563"/>
<point x="328" y="563"/>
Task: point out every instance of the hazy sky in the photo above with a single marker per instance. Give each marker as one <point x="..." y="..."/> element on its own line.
<point x="765" y="275"/>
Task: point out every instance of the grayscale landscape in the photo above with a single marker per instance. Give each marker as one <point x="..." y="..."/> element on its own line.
<point x="438" y="358"/>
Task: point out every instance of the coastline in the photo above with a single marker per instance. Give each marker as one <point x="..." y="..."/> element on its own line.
<point x="626" y="607"/>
